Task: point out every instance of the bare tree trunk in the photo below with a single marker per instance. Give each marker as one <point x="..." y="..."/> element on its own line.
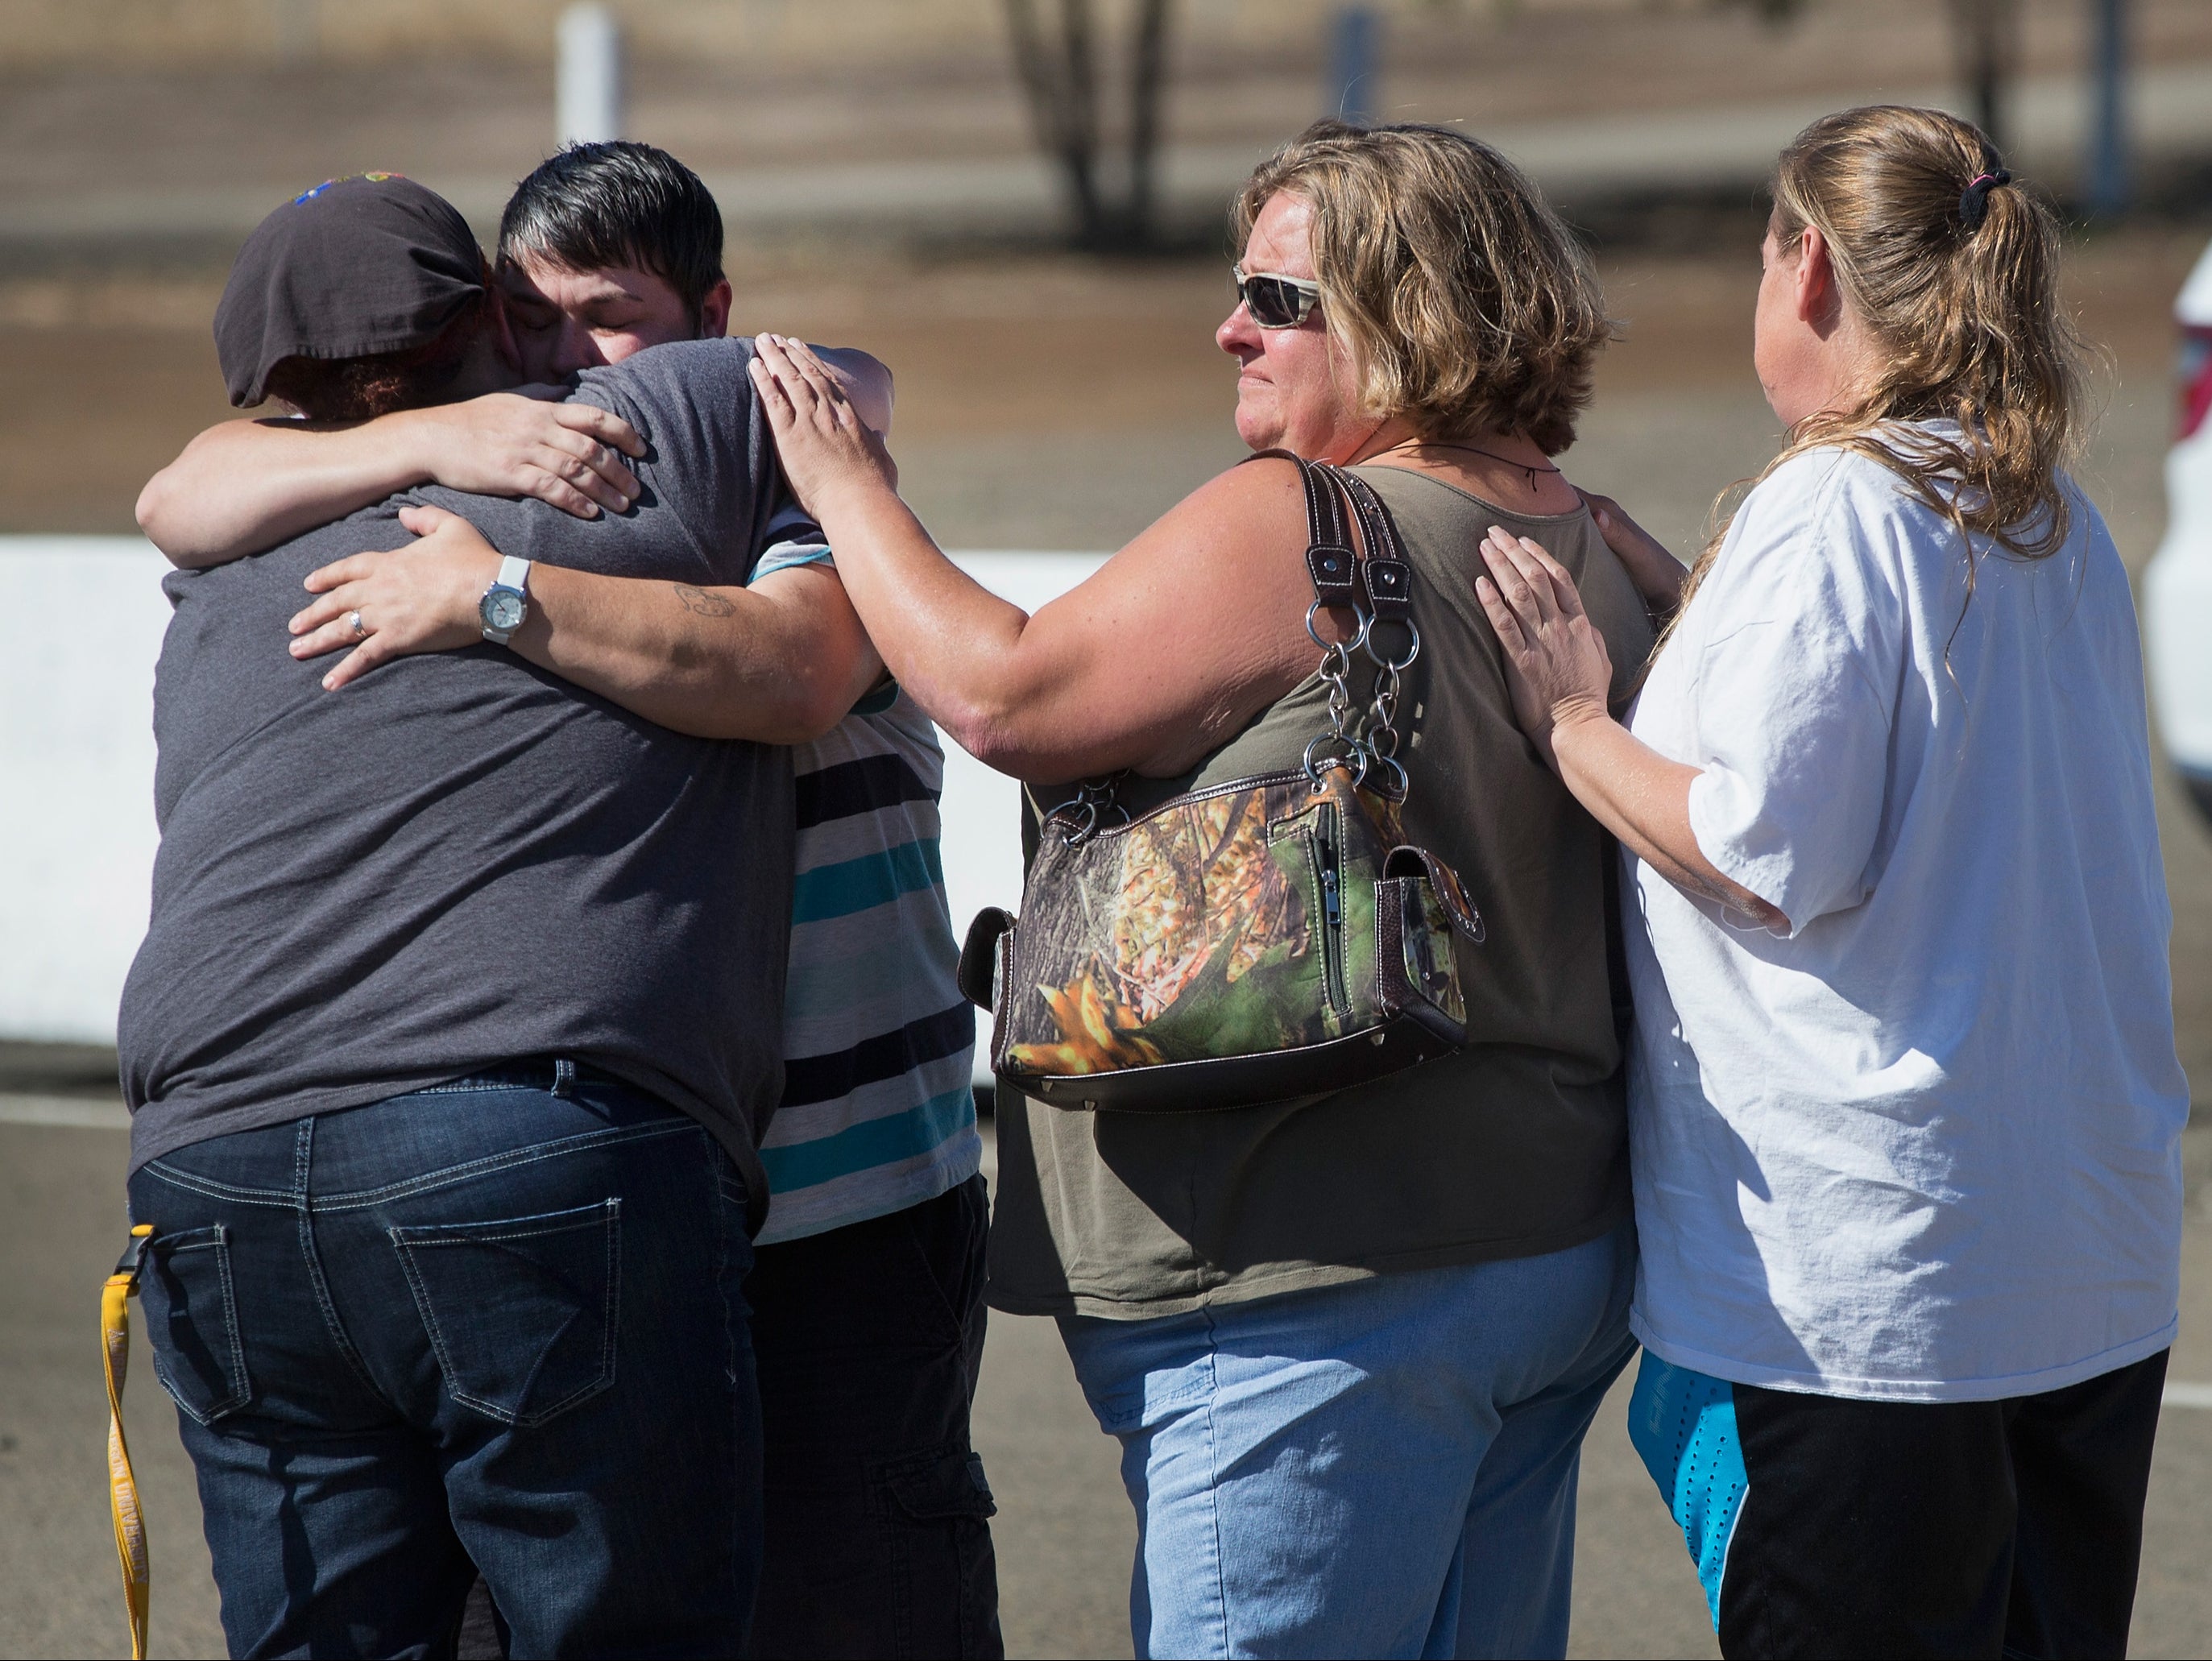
<point x="1988" y="35"/>
<point x="1148" y="76"/>
<point x="1060" y="77"/>
<point x="1058" y="80"/>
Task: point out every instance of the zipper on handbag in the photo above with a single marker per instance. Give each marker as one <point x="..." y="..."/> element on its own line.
<point x="1331" y="907"/>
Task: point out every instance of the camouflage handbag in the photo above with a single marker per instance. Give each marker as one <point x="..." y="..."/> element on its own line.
<point x="1264" y="939"/>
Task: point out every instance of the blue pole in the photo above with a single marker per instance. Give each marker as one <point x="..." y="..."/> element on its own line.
<point x="1351" y="78"/>
<point x="2107" y="182"/>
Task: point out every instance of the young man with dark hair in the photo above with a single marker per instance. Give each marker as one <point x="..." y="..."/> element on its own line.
<point x="587" y="222"/>
<point x="868" y="1318"/>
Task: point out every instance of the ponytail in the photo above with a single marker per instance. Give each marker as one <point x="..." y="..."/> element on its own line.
<point x="1953" y="267"/>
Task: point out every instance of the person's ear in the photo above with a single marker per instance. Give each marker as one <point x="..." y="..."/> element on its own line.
<point x="1819" y="300"/>
<point x="715" y="311"/>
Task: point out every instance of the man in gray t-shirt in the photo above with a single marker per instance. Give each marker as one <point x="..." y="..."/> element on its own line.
<point x="462" y="859"/>
<point x="455" y="1022"/>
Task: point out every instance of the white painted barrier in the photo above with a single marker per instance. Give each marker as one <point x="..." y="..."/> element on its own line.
<point x="81" y="626"/>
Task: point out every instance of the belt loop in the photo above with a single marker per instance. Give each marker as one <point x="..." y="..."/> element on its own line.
<point x="564" y="1077"/>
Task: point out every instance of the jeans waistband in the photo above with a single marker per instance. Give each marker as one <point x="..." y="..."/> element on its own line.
<point x="558" y="1073"/>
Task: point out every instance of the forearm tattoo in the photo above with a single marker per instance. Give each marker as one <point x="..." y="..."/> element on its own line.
<point x="706" y="605"/>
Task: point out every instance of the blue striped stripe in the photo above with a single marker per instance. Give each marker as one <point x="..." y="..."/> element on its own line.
<point x="872" y="879"/>
<point x="870" y="1142"/>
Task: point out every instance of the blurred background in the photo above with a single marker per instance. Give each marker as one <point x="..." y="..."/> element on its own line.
<point x="1018" y="205"/>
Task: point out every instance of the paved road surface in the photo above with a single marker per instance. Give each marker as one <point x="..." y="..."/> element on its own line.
<point x="1064" y="1530"/>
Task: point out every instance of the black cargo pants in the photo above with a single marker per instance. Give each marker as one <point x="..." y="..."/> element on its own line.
<point x="868" y="1341"/>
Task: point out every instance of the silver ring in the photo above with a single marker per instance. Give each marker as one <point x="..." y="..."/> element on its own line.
<point x="1353" y="758"/>
<point x="360" y="628"/>
<point x="1366" y="622"/>
<point x="1393" y="779"/>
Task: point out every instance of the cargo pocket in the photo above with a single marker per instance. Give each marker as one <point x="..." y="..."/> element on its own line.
<point x="939" y="1508"/>
<point x="192" y="1315"/>
<point x="521" y="1313"/>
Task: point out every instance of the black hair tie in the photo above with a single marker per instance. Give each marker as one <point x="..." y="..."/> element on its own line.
<point x="1974" y="200"/>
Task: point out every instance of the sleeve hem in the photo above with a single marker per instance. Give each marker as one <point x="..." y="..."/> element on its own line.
<point x="1747" y="874"/>
<point x="790" y="558"/>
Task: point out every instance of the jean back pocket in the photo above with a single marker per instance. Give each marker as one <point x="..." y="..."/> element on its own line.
<point x="521" y="1312"/>
<point x="192" y="1315"/>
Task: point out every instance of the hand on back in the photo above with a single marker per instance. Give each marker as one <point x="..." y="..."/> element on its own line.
<point x="527" y="443"/>
<point x="422" y="597"/>
<point x="1556" y="664"/>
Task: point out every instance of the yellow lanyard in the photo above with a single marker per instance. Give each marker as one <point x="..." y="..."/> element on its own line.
<point x="121" y="1485"/>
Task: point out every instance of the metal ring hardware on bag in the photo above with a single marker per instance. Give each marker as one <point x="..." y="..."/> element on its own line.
<point x="1382" y="740"/>
<point x="1357" y="640"/>
<point x="1388" y="580"/>
<point x="1335" y="672"/>
<point x="1352" y="754"/>
<point x="1086" y="808"/>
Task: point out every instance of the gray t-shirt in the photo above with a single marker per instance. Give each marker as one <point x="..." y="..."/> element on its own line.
<point x="462" y="860"/>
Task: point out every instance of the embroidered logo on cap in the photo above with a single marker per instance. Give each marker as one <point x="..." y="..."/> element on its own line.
<point x="365" y="177"/>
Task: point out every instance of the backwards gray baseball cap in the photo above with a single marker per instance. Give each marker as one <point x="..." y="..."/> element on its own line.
<point x="356" y="267"/>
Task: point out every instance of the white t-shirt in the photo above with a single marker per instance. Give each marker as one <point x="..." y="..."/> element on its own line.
<point x="1926" y="1146"/>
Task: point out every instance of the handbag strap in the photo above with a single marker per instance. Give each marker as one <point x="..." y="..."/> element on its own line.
<point x="1392" y="639"/>
<point x="1331" y="562"/>
<point x="1388" y="578"/>
<point x="1338" y="573"/>
<point x="1379" y="588"/>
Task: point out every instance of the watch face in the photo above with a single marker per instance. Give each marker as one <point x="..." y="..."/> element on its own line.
<point x="501" y="609"/>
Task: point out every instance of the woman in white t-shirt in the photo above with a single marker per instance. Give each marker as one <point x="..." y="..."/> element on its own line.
<point x="1905" y="1106"/>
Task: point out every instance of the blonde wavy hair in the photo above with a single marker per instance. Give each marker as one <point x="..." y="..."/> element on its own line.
<point x="1465" y="303"/>
<point x="1965" y="315"/>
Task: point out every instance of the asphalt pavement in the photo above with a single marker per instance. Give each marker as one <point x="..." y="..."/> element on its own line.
<point x="1064" y="1530"/>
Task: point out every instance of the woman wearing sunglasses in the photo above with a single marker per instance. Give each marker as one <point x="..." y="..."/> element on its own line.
<point x="1349" y="1344"/>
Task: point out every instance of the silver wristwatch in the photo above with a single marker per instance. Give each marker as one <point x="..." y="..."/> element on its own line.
<point x="506" y="602"/>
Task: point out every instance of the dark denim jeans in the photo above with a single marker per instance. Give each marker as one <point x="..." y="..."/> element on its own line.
<point x="497" y="1325"/>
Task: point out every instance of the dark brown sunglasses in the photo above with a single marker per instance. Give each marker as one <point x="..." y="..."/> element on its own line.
<point x="1274" y="300"/>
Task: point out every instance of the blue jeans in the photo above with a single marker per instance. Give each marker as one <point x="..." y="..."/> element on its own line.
<point x="1385" y="1468"/>
<point x="493" y="1326"/>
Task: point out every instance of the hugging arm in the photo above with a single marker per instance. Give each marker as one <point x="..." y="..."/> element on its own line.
<point x="244" y="486"/>
<point x="1657" y="576"/>
<point x="779" y="662"/>
<point x="1172" y="647"/>
<point x="865" y="381"/>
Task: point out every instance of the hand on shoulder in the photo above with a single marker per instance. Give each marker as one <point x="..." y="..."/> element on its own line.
<point x="530" y="442"/>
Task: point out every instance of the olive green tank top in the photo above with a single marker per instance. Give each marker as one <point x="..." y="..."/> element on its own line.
<point x="1517" y="1145"/>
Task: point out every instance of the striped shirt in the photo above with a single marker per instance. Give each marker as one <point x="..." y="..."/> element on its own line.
<point x="878" y="1111"/>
